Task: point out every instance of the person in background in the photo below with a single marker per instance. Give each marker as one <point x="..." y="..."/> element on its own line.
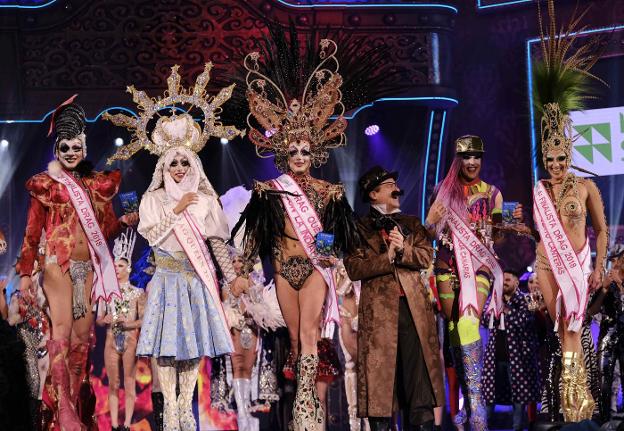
<point x="122" y="317"/>
<point x="511" y="372"/>
<point x="609" y="302"/>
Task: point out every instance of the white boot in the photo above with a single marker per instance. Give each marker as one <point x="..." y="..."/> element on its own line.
<point x="253" y="423"/>
<point x="167" y="379"/>
<point x="188" y="372"/>
<point x="242" y="415"/>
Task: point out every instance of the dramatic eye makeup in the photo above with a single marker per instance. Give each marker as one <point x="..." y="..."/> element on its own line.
<point x="469" y="156"/>
<point x="64" y="148"/>
<point x="293" y="152"/>
<point x="559" y="159"/>
<point x="185" y="163"/>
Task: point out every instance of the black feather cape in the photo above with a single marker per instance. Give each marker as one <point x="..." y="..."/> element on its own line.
<point x="264" y="218"/>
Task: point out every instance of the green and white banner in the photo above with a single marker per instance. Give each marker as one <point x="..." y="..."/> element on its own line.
<point x="599" y="140"/>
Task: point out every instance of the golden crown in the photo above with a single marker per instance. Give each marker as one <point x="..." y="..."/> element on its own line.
<point x="174" y="130"/>
<point x="305" y="119"/>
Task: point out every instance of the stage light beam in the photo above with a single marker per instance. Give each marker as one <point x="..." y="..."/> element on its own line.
<point x="224" y="141"/>
<point x="371" y="130"/>
<point x="119" y="142"/>
<point x="4" y="144"/>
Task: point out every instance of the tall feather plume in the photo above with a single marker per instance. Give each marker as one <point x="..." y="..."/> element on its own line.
<point x="563" y="74"/>
<point x="562" y="81"/>
<point x="289" y="66"/>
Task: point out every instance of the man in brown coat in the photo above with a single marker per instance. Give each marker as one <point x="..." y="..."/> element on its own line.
<point x="398" y="352"/>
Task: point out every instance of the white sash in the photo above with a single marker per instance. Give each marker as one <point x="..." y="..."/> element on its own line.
<point x="192" y="242"/>
<point x="307" y="224"/>
<point x="105" y="282"/>
<point x="569" y="269"/>
<point x="470" y="252"/>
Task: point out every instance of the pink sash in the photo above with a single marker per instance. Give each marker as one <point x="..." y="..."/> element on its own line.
<point x="192" y="242"/>
<point x="307" y="224"/>
<point x="470" y="252"/>
<point x="570" y="270"/>
<point x="105" y="282"/>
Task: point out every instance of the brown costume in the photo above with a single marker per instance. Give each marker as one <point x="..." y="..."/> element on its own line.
<point x="382" y="282"/>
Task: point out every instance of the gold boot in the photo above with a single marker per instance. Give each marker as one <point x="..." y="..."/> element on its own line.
<point x="577" y="402"/>
<point x="308" y="414"/>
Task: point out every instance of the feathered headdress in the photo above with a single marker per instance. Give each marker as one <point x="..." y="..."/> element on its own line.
<point x="561" y="78"/>
<point x="306" y="118"/>
<point x="174" y="130"/>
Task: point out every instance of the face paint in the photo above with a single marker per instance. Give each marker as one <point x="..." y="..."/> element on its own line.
<point x="299" y="157"/>
<point x="70" y="152"/>
<point x="178" y="167"/>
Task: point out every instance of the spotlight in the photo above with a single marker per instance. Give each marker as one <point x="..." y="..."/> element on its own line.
<point x="529" y="269"/>
<point x="4" y="144"/>
<point x="118" y="142"/>
<point x="371" y="130"/>
<point x="269" y="133"/>
<point x="224" y="141"/>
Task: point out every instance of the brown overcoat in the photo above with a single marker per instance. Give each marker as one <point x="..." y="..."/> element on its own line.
<point x="378" y="314"/>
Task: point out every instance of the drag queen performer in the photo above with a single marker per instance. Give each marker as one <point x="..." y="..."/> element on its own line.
<point x="561" y="205"/>
<point x="183" y="319"/>
<point x="462" y="216"/>
<point x="122" y="316"/>
<point x="73" y="204"/>
<point x="285" y="215"/>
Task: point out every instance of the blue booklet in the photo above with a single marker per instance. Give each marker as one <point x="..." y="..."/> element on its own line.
<point x="324" y="243"/>
<point x="508" y="209"/>
<point x="129" y="202"/>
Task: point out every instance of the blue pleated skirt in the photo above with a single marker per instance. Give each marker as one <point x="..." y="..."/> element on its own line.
<point x="180" y="320"/>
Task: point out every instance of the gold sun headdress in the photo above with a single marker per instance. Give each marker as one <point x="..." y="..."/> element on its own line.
<point x="304" y="119"/>
<point x="174" y="130"/>
<point x="561" y="78"/>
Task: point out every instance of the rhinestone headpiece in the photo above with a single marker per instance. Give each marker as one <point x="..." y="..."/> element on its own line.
<point x="304" y="119"/>
<point x="174" y="130"/>
<point x="556" y="131"/>
<point x="124" y="245"/>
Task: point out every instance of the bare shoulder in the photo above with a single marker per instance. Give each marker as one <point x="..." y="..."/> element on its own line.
<point x="588" y="186"/>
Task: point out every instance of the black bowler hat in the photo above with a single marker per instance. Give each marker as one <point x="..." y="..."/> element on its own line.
<point x="372" y="178"/>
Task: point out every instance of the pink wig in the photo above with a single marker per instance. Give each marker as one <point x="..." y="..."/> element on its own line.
<point x="451" y="192"/>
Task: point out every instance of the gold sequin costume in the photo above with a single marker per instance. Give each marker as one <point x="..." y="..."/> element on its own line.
<point x="561" y="83"/>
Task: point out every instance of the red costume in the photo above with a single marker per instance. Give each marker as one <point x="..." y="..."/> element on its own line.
<point x="51" y="209"/>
